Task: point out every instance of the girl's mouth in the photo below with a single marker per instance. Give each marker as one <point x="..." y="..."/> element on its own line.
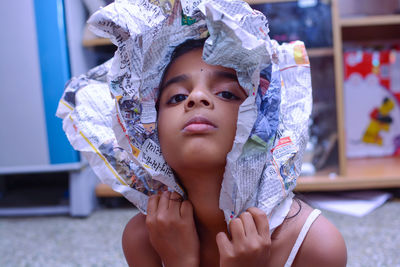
<point x="198" y="124"/>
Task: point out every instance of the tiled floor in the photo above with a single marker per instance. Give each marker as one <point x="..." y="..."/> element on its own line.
<point x="373" y="240"/>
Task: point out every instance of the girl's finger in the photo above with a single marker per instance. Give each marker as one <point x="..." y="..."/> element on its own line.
<point x="152" y="204"/>
<point x="175" y="201"/>
<point x="249" y="225"/>
<point x="186" y="210"/>
<point x="164" y="201"/>
<point x="223" y="243"/>
<point x="261" y="220"/>
<point x="237" y="230"/>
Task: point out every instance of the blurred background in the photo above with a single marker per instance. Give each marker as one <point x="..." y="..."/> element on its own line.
<point x="54" y="211"/>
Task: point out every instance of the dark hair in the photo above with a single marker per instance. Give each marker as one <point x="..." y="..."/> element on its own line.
<point x="180" y="50"/>
<point x="298" y="200"/>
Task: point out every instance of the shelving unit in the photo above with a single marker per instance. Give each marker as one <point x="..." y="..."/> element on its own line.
<point x="365" y="173"/>
<point x="356" y="173"/>
<point x="320" y="52"/>
<point x="349" y="174"/>
<point x="370" y="21"/>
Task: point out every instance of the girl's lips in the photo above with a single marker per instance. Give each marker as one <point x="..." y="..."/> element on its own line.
<point x="198" y="124"/>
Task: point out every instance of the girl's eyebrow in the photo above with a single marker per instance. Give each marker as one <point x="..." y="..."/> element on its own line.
<point x="176" y="79"/>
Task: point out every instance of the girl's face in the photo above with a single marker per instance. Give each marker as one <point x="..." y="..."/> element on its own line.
<point x="198" y="111"/>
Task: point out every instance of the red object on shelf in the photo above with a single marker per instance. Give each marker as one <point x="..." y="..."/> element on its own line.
<point x="372" y="102"/>
<point x="380" y="63"/>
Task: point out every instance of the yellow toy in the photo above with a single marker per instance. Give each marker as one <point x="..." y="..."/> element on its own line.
<point x="380" y="121"/>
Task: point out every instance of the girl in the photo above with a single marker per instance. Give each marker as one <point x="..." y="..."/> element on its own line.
<point x="197" y="120"/>
<point x="197" y="114"/>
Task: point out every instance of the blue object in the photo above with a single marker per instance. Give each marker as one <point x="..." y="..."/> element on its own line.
<point x="268" y="101"/>
<point x="55" y="72"/>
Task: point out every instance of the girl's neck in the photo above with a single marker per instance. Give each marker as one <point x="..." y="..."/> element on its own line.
<point x="203" y="189"/>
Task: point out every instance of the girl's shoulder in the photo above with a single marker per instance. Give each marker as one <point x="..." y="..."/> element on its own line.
<point x="323" y="245"/>
<point x="136" y="244"/>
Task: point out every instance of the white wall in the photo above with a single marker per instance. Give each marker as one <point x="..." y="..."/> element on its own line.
<point x="23" y="139"/>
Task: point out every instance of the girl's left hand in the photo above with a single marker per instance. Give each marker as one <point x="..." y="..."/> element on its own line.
<point x="251" y="242"/>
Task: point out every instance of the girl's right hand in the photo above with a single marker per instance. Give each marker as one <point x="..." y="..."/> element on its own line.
<point x="172" y="230"/>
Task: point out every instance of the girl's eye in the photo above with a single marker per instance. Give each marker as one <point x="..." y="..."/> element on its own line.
<point x="228" y="95"/>
<point x="177" y="98"/>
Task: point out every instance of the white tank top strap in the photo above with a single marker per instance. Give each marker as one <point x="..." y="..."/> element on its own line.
<point x="311" y="218"/>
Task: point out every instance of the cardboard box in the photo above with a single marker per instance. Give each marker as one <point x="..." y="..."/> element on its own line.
<point x="372" y="103"/>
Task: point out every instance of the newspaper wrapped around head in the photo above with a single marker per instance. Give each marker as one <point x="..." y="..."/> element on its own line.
<point x="109" y="113"/>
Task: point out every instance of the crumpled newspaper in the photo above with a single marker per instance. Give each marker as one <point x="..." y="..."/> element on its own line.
<point x="109" y="113"/>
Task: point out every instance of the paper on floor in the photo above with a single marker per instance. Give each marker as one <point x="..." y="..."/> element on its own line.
<point x="355" y="203"/>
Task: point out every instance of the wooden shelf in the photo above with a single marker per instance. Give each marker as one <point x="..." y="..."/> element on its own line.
<point x="372" y="33"/>
<point x="320" y="52"/>
<point x="365" y="173"/>
<point x="370" y="20"/>
<point x="96" y="42"/>
<point x="374" y="168"/>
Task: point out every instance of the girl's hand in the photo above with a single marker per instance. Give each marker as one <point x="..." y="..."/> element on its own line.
<point x="251" y="242"/>
<point x="172" y="230"/>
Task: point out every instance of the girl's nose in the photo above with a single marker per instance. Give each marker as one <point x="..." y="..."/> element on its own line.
<point x="198" y="98"/>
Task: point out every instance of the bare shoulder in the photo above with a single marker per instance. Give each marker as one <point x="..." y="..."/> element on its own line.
<point x="322" y="246"/>
<point x="137" y="248"/>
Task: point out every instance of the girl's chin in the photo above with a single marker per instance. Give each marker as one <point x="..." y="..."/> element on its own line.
<point x="197" y="155"/>
<point x="201" y="162"/>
